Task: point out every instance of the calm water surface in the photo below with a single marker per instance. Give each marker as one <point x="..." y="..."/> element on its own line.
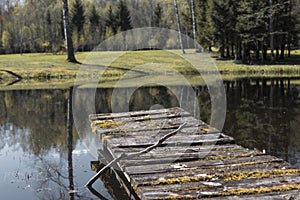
<point x="42" y="159"/>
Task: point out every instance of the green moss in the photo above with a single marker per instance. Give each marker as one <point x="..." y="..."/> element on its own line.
<point x="237" y="175"/>
<point x="260" y="190"/>
<point x="106" y="124"/>
<point x="220" y="157"/>
<point x="179" y="180"/>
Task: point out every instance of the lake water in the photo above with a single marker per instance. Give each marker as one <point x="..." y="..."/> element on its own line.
<point x="43" y="158"/>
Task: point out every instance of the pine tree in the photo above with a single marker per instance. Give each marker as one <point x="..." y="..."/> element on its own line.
<point x="203" y="12"/>
<point x="94" y="17"/>
<point x="284" y="27"/>
<point x="78" y="18"/>
<point x="48" y="29"/>
<point x="221" y="25"/>
<point x="157" y="18"/>
<point x="94" y="32"/>
<point x="253" y="27"/>
<point x="110" y="21"/>
<point x="233" y="39"/>
<point x="123" y="16"/>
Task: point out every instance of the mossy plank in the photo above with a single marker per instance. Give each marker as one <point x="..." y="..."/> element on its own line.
<point x="150" y="125"/>
<point x="288" y="195"/>
<point x="168" y="112"/>
<point x="198" y="162"/>
<point x="219" y="188"/>
<point x="166" y="149"/>
<point x="196" y="129"/>
<point x="208" y="187"/>
<point x="131" y="142"/>
<point x="154" y="158"/>
<point x="145" y="118"/>
<point x="202" y="165"/>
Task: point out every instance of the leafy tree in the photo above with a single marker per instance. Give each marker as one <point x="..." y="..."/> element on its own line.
<point x="6" y="41"/>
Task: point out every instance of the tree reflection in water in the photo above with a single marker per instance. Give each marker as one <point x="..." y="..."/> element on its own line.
<point x="36" y="146"/>
<point x="262" y="113"/>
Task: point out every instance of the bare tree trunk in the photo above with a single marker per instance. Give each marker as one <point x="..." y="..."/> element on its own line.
<point x="67" y="31"/>
<point x="257" y="50"/>
<point x="271" y="31"/>
<point x="178" y="25"/>
<point x="194" y="23"/>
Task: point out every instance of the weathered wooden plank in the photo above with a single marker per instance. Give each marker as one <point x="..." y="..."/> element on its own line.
<point x="198" y="162"/>
<point x="150" y="159"/>
<point x="221" y="186"/>
<point x="216" y="188"/>
<point x="288" y="195"/>
<point x="225" y="177"/>
<point x="174" y="141"/>
<point x="108" y="127"/>
<point x="151" y="139"/>
<point x="160" y="132"/>
<point x="168" y="111"/>
<point x="176" y="149"/>
<point x="205" y="166"/>
<point x="143" y="118"/>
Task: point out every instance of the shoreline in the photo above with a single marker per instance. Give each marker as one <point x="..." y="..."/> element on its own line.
<point x="47" y="70"/>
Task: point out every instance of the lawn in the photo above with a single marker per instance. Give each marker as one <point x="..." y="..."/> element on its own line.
<point x="50" y="70"/>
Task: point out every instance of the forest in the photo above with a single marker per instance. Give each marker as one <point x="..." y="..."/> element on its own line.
<point x="236" y="29"/>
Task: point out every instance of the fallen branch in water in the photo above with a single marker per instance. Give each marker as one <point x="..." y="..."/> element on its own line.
<point x="132" y="155"/>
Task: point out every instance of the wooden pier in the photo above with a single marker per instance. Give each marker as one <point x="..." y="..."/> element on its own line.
<point x="198" y="162"/>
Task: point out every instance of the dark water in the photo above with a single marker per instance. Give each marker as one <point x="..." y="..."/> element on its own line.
<point x="41" y="158"/>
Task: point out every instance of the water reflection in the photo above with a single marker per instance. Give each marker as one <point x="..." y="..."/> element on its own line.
<point x="264" y="113"/>
<point x="42" y="156"/>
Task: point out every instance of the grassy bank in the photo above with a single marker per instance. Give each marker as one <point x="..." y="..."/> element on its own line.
<point x="53" y="70"/>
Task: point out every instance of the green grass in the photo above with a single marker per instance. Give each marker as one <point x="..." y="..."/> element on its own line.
<point x="231" y="67"/>
<point x="48" y="70"/>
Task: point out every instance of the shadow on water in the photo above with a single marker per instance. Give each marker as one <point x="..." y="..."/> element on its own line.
<point x="36" y="125"/>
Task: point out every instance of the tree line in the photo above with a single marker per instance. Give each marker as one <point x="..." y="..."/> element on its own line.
<point x="240" y="28"/>
<point x="237" y="29"/>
